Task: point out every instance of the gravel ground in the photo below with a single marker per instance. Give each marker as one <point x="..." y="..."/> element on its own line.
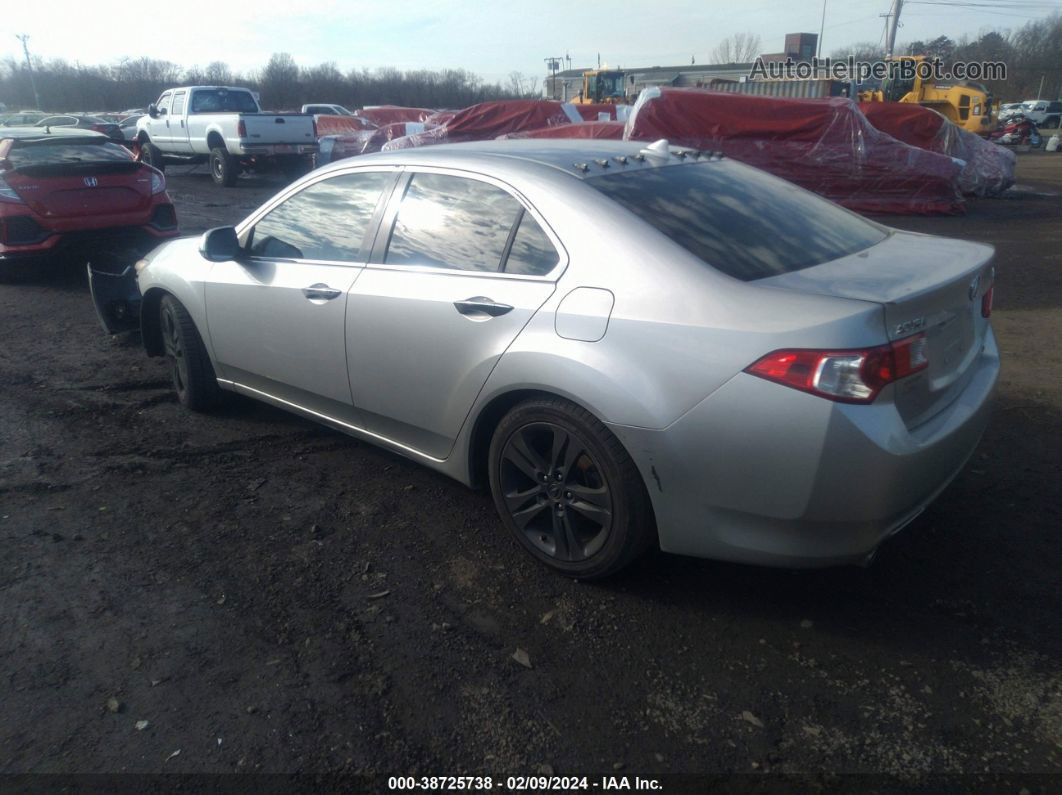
<point x="261" y="594"/>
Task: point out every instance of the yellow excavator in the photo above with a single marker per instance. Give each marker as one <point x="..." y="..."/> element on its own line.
<point x="969" y="105"/>
<point x="603" y="86"/>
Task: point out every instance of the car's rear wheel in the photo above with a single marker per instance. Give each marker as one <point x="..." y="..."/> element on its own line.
<point x="152" y="155"/>
<point x="190" y="367"/>
<point x="223" y="167"/>
<point x="567" y="489"/>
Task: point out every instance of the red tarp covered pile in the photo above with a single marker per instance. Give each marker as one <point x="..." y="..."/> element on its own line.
<point x="488" y="120"/>
<point x="989" y="168"/>
<point x="365" y="142"/>
<point x="611" y="130"/>
<point x="341" y="125"/>
<point x="824" y="145"/>
<point x="381" y="115"/>
<point x="590" y="111"/>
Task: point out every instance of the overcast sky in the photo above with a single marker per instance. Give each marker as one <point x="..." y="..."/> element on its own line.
<point x="490" y="38"/>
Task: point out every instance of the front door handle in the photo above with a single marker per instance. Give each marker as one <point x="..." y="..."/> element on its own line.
<point x="321" y="292"/>
<point x="480" y="305"/>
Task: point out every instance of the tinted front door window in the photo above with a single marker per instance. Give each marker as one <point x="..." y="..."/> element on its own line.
<point x="325" y="221"/>
<point x="452" y="222"/>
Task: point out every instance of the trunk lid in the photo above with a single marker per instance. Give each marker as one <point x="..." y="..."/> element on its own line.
<point x="82" y="189"/>
<point x="924" y="284"/>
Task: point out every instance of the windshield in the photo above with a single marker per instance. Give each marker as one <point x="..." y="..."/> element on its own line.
<point x="58" y="152"/>
<point x="741" y="221"/>
<point x="222" y="101"/>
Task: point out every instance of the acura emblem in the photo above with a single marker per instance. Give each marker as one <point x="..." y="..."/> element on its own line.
<point x="974" y="287"/>
<point x="91" y="182"/>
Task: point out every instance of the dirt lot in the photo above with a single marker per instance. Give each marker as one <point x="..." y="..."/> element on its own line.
<point x="214" y="576"/>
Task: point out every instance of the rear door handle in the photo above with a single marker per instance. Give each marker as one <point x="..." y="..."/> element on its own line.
<point x="481" y="305"/>
<point x="321" y="292"/>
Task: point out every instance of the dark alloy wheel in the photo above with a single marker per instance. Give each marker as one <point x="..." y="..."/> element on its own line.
<point x="555" y="492"/>
<point x="567" y="489"/>
<point x="190" y="368"/>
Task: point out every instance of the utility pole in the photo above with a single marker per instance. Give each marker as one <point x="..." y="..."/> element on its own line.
<point x="553" y="64"/>
<point x="822" y="29"/>
<point x="24" y="37"/>
<point x="1040" y="90"/>
<point x="894" y="21"/>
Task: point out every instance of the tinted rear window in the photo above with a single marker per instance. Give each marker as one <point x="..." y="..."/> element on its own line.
<point x="741" y="221"/>
<point x="221" y="101"/>
<point x="50" y="153"/>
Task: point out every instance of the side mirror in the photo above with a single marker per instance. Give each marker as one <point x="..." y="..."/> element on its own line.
<point x="153" y="110"/>
<point x="219" y="244"/>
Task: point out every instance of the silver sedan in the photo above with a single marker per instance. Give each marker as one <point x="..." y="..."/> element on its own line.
<point x="634" y="347"/>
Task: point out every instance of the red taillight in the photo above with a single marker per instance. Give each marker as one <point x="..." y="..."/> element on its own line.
<point x="855" y="376"/>
<point x="241" y="129"/>
<point x="986" y="301"/>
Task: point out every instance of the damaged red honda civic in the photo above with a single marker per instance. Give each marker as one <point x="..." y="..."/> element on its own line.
<point x="63" y="188"/>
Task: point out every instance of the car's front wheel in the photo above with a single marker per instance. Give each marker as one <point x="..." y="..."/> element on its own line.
<point x="567" y="489"/>
<point x="152" y="155"/>
<point x="190" y="368"/>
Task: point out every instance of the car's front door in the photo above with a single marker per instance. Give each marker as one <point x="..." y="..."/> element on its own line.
<point x="276" y="315"/>
<point x="465" y="266"/>
<point x="158" y="127"/>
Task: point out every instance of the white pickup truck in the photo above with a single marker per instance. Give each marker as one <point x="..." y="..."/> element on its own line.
<point x="225" y="126"/>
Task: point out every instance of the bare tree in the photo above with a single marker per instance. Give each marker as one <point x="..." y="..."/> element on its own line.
<point x="218" y="73"/>
<point x="738" y="48"/>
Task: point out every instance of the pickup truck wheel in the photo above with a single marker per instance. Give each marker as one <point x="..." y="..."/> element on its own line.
<point x="193" y="375"/>
<point x="152" y="155"/>
<point x="223" y="167"/>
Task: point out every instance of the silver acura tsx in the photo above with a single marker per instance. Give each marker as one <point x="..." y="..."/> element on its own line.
<point x="634" y="346"/>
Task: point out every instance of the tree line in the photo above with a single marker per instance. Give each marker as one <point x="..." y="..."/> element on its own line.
<point x="1031" y="53"/>
<point x="283" y="84"/>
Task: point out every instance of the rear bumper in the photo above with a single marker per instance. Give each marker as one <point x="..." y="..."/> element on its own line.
<point x="275" y="150"/>
<point x="758" y="473"/>
<point x="91" y="236"/>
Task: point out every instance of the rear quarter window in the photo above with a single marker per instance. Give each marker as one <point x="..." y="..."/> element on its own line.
<point x="739" y="220"/>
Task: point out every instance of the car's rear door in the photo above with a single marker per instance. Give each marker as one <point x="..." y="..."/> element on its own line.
<point x="276" y="315"/>
<point x="434" y="310"/>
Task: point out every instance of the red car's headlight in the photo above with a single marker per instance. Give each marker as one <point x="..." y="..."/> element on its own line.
<point x="8" y="194"/>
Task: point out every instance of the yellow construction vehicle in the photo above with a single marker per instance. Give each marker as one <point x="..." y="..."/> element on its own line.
<point x="606" y="86"/>
<point x="969" y="105"/>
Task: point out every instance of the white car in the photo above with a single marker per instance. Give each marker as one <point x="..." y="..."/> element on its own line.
<point x="326" y="110"/>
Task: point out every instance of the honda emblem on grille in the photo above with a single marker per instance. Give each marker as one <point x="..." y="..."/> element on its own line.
<point x="91" y="182"/>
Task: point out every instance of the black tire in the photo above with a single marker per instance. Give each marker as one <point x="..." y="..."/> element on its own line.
<point x="190" y="368"/>
<point x="568" y="491"/>
<point x="1051" y="122"/>
<point x="223" y="167"/>
<point x="152" y="155"/>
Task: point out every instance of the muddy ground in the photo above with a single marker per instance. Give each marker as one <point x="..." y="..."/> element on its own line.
<point x="214" y="577"/>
